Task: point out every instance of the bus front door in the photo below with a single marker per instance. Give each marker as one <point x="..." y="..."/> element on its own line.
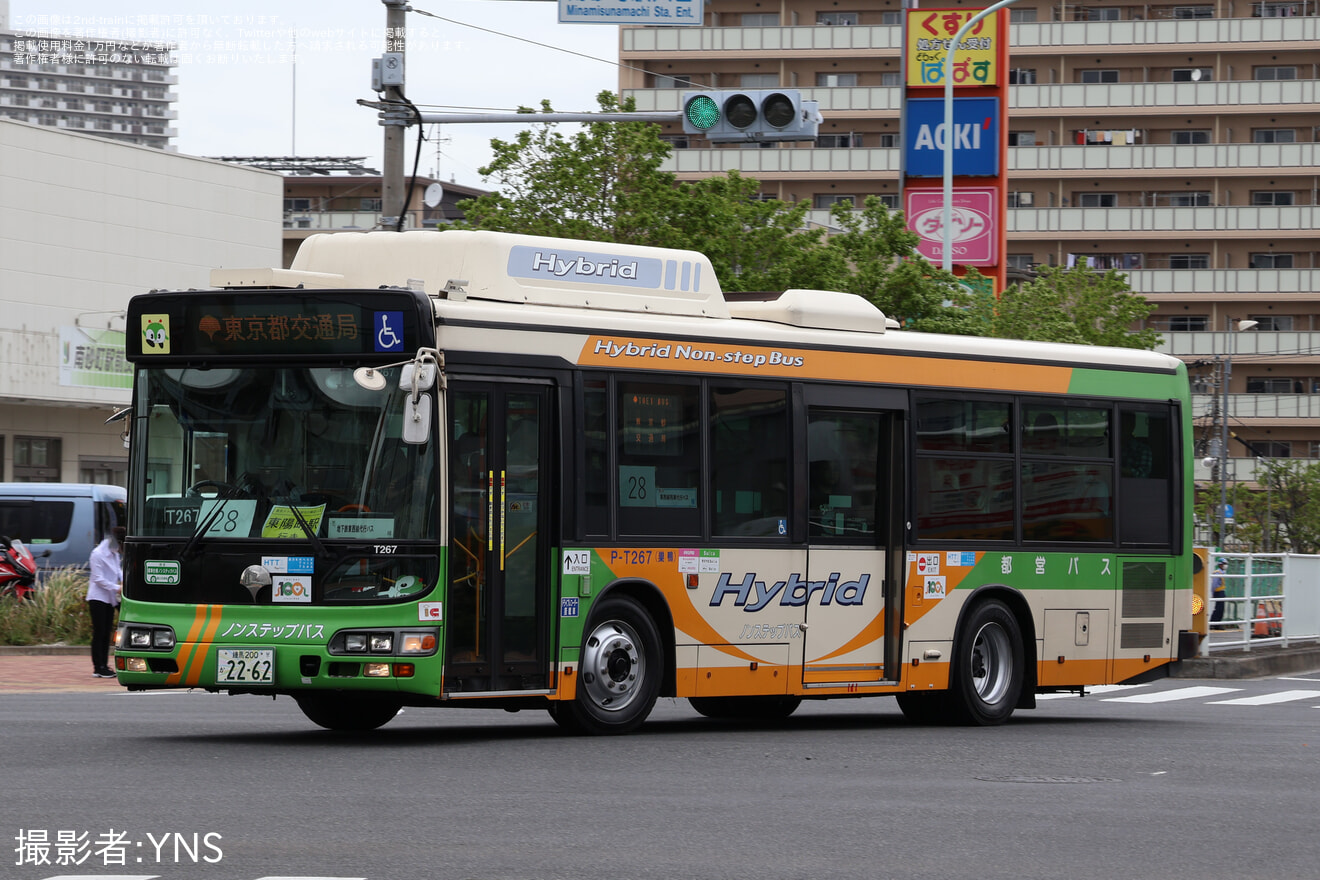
<point x="854" y="484"/>
<point x="498" y="564"/>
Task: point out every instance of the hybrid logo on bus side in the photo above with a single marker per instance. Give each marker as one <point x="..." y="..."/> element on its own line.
<point x="753" y="595"/>
<point x="559" y="267"/>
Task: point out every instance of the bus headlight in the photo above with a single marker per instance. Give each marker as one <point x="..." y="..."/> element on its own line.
<point x="421" y="642"/>
<point x="143" y="637"/>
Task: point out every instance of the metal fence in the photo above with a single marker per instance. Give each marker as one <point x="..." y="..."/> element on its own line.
<point x="1262" y="599"/>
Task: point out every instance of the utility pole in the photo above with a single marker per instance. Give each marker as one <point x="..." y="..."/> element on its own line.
<point x="394" y="117"/>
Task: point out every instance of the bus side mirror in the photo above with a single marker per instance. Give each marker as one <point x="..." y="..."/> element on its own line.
<point x="417" y="419"/>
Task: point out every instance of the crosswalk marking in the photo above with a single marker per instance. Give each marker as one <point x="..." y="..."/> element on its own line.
<point x="1092" y="691"/>
<point x="1267" y="699"/>
<point x="1188" y="693"/>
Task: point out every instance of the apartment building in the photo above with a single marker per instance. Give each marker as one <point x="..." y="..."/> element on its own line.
<point x="114" y="88"/>
<point x="1175" y="141"/>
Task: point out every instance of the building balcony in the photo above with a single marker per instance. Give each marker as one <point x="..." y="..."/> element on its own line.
<point x="1158" y="159"/>
<point x="1201" y="283"/>
<point x="1052" y="38"/>
<point x="1028" y="101"/>
<point x="308" y="222"/>
<point x="1241" y="469"/>
<point x="1241" y="222"/>
<point x="1278" y="345"/>
<point x="1265" y="407"/>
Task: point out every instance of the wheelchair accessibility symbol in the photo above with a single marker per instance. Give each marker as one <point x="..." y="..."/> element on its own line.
<point x="389" y="331"/>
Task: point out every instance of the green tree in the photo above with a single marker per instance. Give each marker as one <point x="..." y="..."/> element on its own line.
<point x="602" y="183"/>
<point x="1077" y="305"/>
<point x="884" y="267"/>
<point x="1291" y="491"/>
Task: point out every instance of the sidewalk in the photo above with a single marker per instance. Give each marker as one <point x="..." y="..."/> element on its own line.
<point x="51" y="670"/>
<point x="57" y="669"/>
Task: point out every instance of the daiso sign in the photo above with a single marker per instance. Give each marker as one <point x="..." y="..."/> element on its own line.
<point x="973" y="221"/>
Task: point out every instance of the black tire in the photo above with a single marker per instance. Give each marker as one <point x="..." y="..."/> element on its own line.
<point x="619" y="671"/>
<point x="759" y="708"/>
<point x="986" y="677"/>
<point x="351" y="712"/>
<point x="925" y="707"/>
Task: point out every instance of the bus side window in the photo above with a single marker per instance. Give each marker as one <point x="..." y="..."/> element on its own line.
<point x="843" y="451"/>
<point x="1145" y="477"/>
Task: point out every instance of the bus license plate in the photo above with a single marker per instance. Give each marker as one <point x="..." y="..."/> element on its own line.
<point x="245" y="666"/>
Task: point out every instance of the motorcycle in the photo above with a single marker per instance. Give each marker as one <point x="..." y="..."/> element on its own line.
<point x="18" y="569"/>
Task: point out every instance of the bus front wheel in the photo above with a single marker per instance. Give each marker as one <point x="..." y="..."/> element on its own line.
<point x="987" y="672"/>
<point x="619" y="671"/>
<point x="348" y="711"/>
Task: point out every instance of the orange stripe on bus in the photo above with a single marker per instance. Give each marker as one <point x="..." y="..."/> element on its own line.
<point x="873" y="631"/>
<point x="199" y="657"/>
<point x="200" y="614"/>
<point x="704" y="356"/>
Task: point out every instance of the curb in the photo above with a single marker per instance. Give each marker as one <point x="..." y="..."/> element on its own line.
<point x="1249" y="664"/>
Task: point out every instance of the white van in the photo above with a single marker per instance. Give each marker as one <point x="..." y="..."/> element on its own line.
<point x="60" y="522"/>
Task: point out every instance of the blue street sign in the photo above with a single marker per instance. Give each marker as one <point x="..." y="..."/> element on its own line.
<point x="975" y="137"/>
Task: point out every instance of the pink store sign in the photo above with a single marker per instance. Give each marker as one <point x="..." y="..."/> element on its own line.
<point x="974" y="224"/>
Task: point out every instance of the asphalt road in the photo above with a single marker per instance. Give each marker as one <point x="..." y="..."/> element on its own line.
<point x="1219" y="784"/>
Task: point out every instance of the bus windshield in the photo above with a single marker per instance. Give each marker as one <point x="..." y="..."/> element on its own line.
<point x="301" y="453"/>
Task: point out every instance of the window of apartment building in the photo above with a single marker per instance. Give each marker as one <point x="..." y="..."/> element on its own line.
<point x="1275" y="10"/>
<point x="1276" y="323"/>
<point x="1022" y="76"/>
<point x="891" y="78"/>
<point x="1191" y="74"/>
<point x="110" y="471"/>
<point x="1189" y="261"/>
<point x="1270" y="385"/>
<point x="1020" y="262"/>
<point x="1274" y="72"/>
<point x="1022" y="199"/>
<point x="888" y="139"/>
<point x="1188" y="323"/>
<point x="1184" y="199"/>
<point x="1206" y="11"/>
<point x="840" y="18"/>
<point x="1022" y="139"/>
<point x="891" y="18"/>
<point x="1017" y="16"/>
<point x="1189" y="136"/>
<point x="297" y="204"/>
<point x="825" y="201"/>
<point x="889" y="200"/>
<point x="372" y="204"/>
<point x="836" y="80"/>
<point x="1272" y="448"/>
<point x="1106" y="261"/>
<point x="1098" y="76"/>
<point x="759" y="81"/>
<point x="1272" y="197"/>
<point x="1095" y="200"/>
<point x="36" y="459"/>
<point x="839" y="141"/>
<point x="1274" y="135"/>
<point x="760" y="19"/>
<point x="677" y="141"/>
<point x="1270" y="261"/>
<point x="674" y="81"/>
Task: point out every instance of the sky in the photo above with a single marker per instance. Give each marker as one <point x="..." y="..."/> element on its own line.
<point x="283" y="77"/>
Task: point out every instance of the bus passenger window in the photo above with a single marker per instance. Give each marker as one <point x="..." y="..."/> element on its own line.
<point x="749" y="461"/>
<point x="659" y="459"/>
<point x="843" y="451"/>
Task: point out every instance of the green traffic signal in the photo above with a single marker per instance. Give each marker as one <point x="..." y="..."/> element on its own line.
<point x="702" y="112"/>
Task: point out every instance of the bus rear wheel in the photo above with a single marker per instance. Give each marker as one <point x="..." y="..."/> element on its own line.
<point x="348" y="711"/>
<point x="619" y="672"/>
<point x="760" y="708"/>
<point x="986" y="677"/>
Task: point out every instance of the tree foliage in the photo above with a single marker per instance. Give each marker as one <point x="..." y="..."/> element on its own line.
<point x="1280" y="513"/>
<point x="605" y="183"/>
<point x="1077" y="304"/>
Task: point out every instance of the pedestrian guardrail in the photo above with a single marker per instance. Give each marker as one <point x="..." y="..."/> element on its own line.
<point x="1262" y="599"/>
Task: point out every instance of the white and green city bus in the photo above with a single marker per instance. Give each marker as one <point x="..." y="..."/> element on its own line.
<point x="488" y="470"/>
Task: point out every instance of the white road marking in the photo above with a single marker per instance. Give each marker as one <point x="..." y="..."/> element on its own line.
<point x="1187" y="693"/>
<point x="1267" y="699"/>
<point x="1092" y="691"/>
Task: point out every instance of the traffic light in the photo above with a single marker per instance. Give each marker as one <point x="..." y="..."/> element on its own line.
<point x="750" y="115"/>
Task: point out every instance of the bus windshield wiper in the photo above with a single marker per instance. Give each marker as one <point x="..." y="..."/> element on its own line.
<point x="308" y="530"/>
